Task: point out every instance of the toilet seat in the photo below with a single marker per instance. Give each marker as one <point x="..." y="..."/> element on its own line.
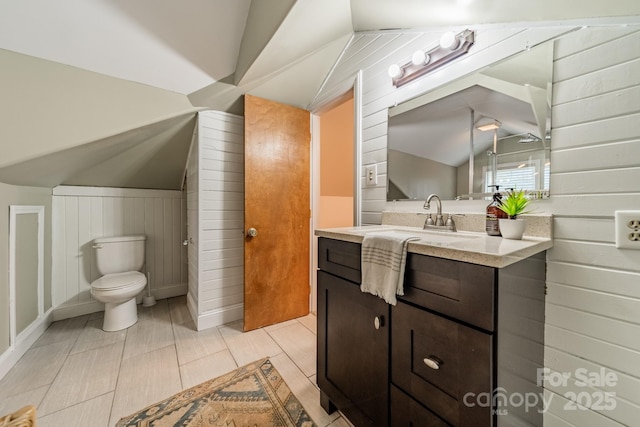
<point x="115" y="281"/>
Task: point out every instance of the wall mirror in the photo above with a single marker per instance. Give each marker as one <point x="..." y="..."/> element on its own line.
<point x="491" y="127"/>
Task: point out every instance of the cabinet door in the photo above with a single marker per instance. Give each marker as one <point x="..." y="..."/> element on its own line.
<point x="353" y="350"/>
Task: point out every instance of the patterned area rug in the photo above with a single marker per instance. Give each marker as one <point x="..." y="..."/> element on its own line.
<point x="253" y="395"/>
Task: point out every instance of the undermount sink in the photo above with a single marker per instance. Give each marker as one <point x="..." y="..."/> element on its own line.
<point x="435" y="237"/>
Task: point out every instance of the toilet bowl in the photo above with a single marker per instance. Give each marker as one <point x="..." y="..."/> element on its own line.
<point x="118" y="292"/>
<point x="119" y="260"/>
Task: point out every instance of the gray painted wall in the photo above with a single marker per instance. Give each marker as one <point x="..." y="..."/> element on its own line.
<point x="13" y="195"/>
<point x="26" y="270"/>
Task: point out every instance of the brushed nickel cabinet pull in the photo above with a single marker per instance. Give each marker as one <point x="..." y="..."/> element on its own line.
<point x="432" y="362"/>
<point x="378" y="322"/>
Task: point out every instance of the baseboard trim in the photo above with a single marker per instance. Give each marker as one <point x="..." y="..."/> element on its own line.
<point x="70" y="310"/>
<point x="170" y="291"/>
<point x="10" y="357"/>
<point x="192" y="305"/>
<point x="220" y="316"/>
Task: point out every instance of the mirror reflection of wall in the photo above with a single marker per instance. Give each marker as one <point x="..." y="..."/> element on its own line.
<point x="435" y="146"/>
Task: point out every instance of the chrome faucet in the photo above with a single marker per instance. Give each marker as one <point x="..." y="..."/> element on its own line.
<point x="439" y="222"/>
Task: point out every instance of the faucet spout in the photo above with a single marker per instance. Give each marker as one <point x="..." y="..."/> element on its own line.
<point x="439" y="222"/>
<point x="427" y="205"/>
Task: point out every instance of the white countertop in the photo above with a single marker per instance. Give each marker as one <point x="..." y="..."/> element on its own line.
<point x="472" y="247"/>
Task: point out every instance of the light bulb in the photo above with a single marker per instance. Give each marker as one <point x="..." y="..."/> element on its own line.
<point x="448" y="41"/>
<point x="395" y="71"/>
<point x="419" y="58"/>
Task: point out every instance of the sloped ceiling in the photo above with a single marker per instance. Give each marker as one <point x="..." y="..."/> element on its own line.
<point x="151" y="156"/>
<point x="84" y="82"/>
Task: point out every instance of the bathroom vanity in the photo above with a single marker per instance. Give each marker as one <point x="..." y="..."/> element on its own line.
<point x="465" y="338"/>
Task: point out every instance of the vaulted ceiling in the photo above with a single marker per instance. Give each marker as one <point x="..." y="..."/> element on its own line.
<point x="88" y="84"/>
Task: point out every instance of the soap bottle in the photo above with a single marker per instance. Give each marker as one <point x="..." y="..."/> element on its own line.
<point x="494" y="213"/>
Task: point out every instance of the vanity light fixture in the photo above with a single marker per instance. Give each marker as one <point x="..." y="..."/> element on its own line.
<point x="450" y="47"/>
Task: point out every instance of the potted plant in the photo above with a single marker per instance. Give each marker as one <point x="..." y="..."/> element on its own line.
<point x="513" y="204"/>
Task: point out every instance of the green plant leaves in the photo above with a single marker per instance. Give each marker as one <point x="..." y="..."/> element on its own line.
<point x="515" y="203"/>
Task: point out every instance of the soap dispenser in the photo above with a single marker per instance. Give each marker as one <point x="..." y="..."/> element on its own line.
<point x="494" y="213"/>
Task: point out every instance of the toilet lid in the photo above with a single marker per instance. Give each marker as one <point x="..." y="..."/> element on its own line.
<point x="119" y="280"/>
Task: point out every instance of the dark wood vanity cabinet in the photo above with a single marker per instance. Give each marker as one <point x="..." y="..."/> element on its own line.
<point x="353" y="339"/>
<point x="435" y="357"/>
<point x="460" y="333"/>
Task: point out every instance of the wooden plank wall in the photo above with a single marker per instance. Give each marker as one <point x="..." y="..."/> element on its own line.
<point x="593" y="296"/>
<point x="593" y="301"/>
<point x="221" y="218"/>
<point x="81" y="214"/>
<point x="375" y="52"/>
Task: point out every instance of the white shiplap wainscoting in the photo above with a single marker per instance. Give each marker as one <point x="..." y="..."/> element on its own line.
<point x="215" y="194"/>
<point x="593" y="301"/>
<point x="81" y="214"/>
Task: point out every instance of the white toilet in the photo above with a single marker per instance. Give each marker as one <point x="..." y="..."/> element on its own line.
<point x="119" y="260"/>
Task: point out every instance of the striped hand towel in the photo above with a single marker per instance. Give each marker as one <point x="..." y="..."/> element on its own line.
<point x="384" y="255"/>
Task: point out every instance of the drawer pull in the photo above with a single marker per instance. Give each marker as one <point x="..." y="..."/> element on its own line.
<point x="432" y="362"/>
<point x="378" y="322"/>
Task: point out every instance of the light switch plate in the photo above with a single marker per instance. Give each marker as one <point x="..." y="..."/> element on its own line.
<point x="371" y="175"/>
<point x="627" y="226"/>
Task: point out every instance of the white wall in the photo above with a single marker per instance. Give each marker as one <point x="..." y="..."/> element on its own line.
<point x="593" y="297"/>
<point x="216" y="201"/>
<point x="593" y="301"/>
<point x="80" y="214"/>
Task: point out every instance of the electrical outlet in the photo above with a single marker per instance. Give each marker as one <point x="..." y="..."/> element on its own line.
<point x="627" y="225"/>
<point x="371" y="175"/>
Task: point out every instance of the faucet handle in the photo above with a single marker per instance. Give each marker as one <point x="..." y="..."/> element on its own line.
<point x="429" y="220"/>
<point x="450" y="224"/>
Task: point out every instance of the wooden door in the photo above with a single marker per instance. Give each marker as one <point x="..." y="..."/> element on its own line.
<point x="277" y="206"/>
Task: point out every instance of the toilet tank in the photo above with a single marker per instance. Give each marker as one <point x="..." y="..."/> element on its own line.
<point x="119" y="254"/>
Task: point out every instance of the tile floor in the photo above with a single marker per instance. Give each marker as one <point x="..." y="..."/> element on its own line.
<point x="78" y="375"/>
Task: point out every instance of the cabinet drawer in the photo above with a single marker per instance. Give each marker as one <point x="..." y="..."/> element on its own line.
<point x="406" y="412"/>
<point x="340" y="258"/>
<point x="462" y="356"/>
<point x="457" y="289"/>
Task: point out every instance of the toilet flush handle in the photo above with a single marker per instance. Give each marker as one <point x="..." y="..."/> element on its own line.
<point x="97" y="246"/>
